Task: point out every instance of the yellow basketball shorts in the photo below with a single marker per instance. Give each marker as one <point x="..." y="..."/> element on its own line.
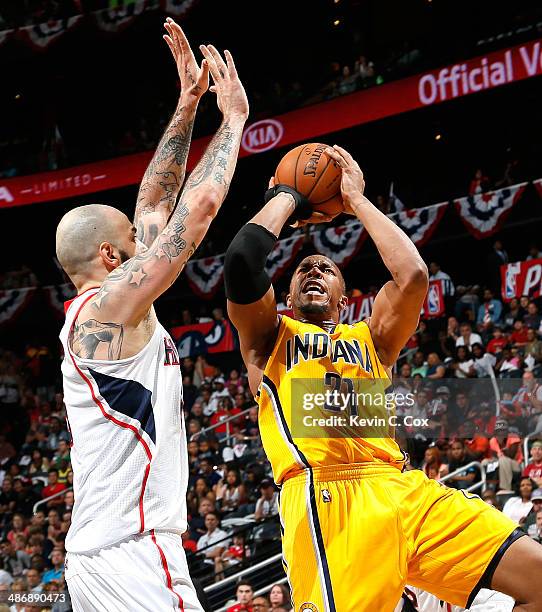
<point x="353" y="536"/>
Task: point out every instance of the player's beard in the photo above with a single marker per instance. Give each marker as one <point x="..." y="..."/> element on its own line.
<point x="124" y="257"/>
<point x="313" y="308"/>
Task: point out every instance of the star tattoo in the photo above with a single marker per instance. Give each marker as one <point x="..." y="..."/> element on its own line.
<point x="137" y="277"/>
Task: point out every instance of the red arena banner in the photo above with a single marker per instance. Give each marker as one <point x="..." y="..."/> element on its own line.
<point x="521" y="278"/>
<point x="479" y="74"/>
<point x="201" y="338"/>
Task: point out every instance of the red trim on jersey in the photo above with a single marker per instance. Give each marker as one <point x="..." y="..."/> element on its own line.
<point x="111" y="418"/>
<point x="166" y="570"/>
<point x="141" y="514"/>
<point x="68" y="303"/>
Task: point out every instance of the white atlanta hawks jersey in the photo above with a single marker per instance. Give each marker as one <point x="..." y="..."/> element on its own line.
<point x="129" y="453"/>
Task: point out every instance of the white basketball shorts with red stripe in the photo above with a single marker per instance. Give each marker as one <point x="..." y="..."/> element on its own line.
<point x="147" y="572"/>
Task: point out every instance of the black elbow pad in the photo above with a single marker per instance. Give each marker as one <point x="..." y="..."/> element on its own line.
<point x="245" y="278"/>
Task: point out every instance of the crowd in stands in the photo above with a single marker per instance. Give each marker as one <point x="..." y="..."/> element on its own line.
<point x="48" y="143"/>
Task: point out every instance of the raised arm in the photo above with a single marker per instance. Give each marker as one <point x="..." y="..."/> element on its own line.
<point x="396" y="309"/>
<point x="164" y="176"/>
<point x="130" y="289"/>
<point x="251" y="299"/>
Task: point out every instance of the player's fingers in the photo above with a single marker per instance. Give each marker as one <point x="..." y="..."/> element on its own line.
<point x="171" y="35"/>
<point x="231" y="64"/>
<point x="215" y="73"/>
<point x="171" y="46"/>
<point x="319" y="217"/>
<point x="212" y="88"/>
<point x="219" y="61"/>
<point x="183" y="41"/>
<point x="271" y="182"/>
<point x="336" y="156"/>
<point x="203" y="75"/>
<point x="344" y="153"/>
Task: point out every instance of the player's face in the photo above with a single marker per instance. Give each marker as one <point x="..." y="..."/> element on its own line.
<point x="127" y="242"/>
<point x="317" y="289"/>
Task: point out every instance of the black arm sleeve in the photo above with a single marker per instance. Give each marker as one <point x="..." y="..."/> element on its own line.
<point x="245" y="278"/>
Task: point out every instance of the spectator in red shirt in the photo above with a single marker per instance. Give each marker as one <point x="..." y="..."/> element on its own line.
<point x="476" y="444"/>
<point x="498" y="342"/>
<point x="486" y="419"/>
<point x="244" y="594"/>
<point x="233" y="555"/>
<point x="52" y="488"/>
<point x="225" y="410"/>
<point x="533" y="470"/>
<point x="519" y="336"/>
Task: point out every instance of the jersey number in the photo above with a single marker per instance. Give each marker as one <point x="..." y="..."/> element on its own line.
<point x="341" y="393"/>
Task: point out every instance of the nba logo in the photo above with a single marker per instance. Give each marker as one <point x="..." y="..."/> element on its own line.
<point x="433" y="301"/>
<point x="512" y="270"/>
<point x="326" y="496"/>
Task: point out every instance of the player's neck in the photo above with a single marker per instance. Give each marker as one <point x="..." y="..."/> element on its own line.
<point x="327" y="325"/>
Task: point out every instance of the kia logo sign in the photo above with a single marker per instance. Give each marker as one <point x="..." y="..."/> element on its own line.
<point x="262" y="136"/>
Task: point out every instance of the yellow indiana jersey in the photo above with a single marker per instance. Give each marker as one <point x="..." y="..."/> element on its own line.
<point x="324" y="400"/>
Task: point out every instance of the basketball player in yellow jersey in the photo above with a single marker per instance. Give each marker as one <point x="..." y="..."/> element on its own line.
<point x="356" y="527"/>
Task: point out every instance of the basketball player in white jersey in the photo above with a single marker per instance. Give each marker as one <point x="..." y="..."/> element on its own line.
<point x="122" y="382"/>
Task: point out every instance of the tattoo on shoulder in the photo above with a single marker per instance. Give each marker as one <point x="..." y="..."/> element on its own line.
<point x="92" y="334"/>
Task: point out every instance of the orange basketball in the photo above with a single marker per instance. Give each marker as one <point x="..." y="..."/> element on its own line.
<point x="310" y="171"/>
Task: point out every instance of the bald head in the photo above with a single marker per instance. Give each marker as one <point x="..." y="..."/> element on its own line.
<point x="80" y="233"/>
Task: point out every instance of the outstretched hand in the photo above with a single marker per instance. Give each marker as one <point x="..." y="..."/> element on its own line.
<point x="352" y="180"/>
<point x="194" y="79"/>
<point x="230" y="93"/>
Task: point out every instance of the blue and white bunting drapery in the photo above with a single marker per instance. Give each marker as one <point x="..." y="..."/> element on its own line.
<point x="282" y="256"/>
<point x="110" y="21"/>
<point x="115" y="20"/>
<point x="205" y="275"/>
<point x="177" y="8"/>
<point x="341" y="243"/>
<point x="42" y="35"/>
<point x="483" y="214"/>
<point x="13" y="302"/>
<point x="419" y="223"/>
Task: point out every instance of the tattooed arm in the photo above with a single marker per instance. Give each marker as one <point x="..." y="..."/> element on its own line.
<point x="128" y="292"/>
<point x="165" y="174"/>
